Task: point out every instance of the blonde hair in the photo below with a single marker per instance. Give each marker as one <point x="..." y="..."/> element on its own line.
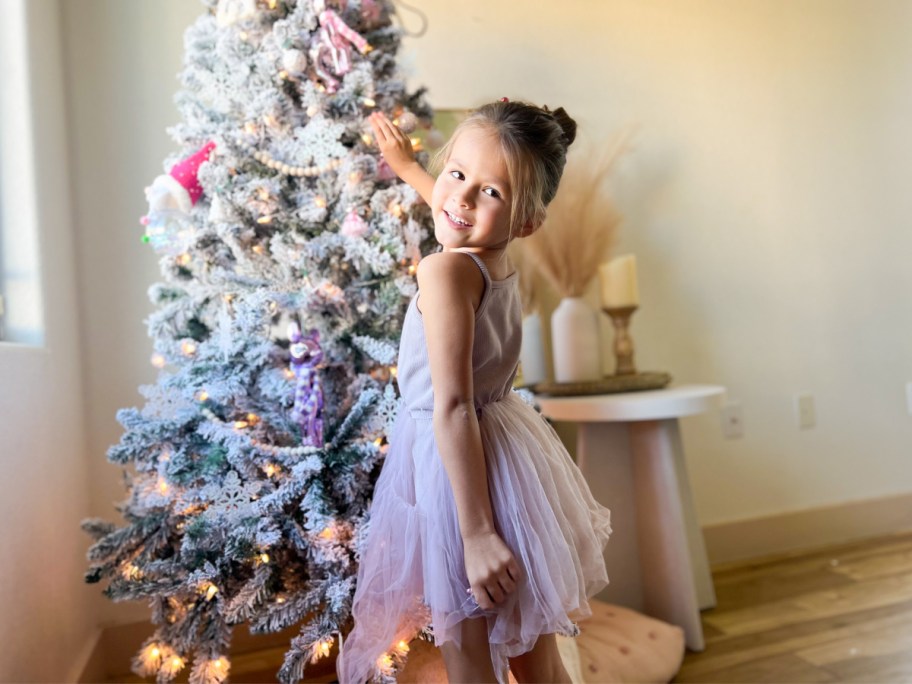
<point x="534" y="141"/>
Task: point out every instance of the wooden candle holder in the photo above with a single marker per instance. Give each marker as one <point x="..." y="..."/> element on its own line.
<point x="623" y="342"/>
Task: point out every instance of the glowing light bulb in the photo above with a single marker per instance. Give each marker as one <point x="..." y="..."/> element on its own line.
<point x="250" y="128"/>
<point x="369" y="102"/>
<point x="157" y="360"/>
<point x="211" y="591"/>
<point x="264" y="220"/>
<point x="280" y="600"/>
<point x="327" y="533"/>
<point x="367" y="139"/>
<point x="283" y="74"/>
<point x="320" y="201"/>
<point x="258" y="249"/>
<point x="264" y="558"/>
<point x="202" y="395"/>
<point x="413" y="269"/>
<point x="270" y="469"/>
<point x="243" y="36"/>
<point x="240" y="424"/>
<point x="312" y="110"/>
<point x="155" y="652"/>
<point x="393" y="371"/>
<point x="228" y="298"/>
<point x="289" y="374"/>
<point x="184" y="259"/>
<point x="162" y="486"/>
<point x="188" y="347"/>
<point x="394" y="208"/>
<point x="354" y="177"/>
<point x="403" y="646"/>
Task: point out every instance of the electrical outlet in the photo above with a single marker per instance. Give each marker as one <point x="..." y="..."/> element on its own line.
<point x="805" y="415"/>
<point x="732" y="421"/>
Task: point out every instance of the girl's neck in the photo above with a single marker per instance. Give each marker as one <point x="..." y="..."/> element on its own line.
<point x="496" y="260"/>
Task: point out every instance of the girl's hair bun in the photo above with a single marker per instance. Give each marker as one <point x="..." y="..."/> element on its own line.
<point x="568" y="125"/>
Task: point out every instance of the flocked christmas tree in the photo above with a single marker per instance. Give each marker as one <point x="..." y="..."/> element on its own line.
<point x="288" y="252"/>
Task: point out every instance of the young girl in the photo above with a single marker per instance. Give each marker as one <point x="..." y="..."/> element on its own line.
<point x="483" y="531"/>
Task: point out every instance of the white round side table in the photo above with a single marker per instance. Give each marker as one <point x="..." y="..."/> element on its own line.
<point x="629" y="449"/>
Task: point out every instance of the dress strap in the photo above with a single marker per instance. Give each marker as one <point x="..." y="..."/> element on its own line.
<point x="486" y="295"/>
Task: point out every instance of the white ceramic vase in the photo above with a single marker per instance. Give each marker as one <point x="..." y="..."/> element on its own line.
<point x="575" y="341"/>
<point x="532" y="353"/>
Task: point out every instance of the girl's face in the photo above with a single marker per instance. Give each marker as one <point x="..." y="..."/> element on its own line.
<point x="471" y="199"/>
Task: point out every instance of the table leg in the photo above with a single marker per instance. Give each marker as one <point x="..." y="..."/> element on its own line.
<point x="669" y="590"/>
<point x="706" y="592"/>
<point x="603" y="456"/>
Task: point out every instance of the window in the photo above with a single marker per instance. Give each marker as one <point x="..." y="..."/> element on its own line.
<point x="21" y="305"/>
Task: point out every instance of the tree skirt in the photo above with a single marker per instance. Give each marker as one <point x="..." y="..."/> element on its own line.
<point x="615" y="645"/>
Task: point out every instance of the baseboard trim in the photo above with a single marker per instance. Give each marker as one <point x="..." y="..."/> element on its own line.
<point x="796" y="531"/>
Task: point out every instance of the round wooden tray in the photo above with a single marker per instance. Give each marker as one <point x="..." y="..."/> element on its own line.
<point x="610" y="384"/>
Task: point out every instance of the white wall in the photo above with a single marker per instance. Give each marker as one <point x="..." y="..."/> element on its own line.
<point x="121" y="61"/>
<point x="46" y="614"/>
<point x="763" y="202"/>
<point x="766" y="203"/>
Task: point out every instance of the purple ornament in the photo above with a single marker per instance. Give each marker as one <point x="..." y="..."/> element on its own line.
<point x="306" y="354"/>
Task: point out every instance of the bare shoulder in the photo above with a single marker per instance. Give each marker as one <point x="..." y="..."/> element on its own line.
<point x="450" y="277"/>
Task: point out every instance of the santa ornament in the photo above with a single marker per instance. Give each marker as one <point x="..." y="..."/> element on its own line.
<point x="171" y="196"/>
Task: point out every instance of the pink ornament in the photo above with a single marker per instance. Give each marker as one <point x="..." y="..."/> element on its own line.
<point x="384" y="172"/>
<point x="407" y="122"/>
<point x="353" y="225"/>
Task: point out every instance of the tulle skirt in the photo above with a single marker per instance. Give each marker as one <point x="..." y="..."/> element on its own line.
<point x="412" y="573"/>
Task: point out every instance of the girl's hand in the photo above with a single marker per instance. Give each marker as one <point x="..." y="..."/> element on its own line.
<point x="394" y="144"/>
<point x="491" y="568"/>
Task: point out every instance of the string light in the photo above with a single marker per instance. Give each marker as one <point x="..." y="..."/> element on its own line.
<point x="283" y="75"/>
<point x="367" y="138"/>
<point x="258" y="249"/>
<point x="202" y="395"/>
<point x="240" y="424"/>
<point x="250" y="128"/>
<point x="188" y="347"/>
<point x="162" y="486"/>
<point x="320" y="201"/>
<point x="210" y="590"/>
<point x="184" y="259"/>
<point x="157" y="360"/>
<point x="369" y="102"/>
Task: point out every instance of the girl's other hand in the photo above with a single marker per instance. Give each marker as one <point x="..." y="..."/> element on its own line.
<point x="394" y="144"/>
<point x="490" y="567"/>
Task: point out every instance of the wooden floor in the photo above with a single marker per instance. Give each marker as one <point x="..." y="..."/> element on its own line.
<point x="841" y="614"/>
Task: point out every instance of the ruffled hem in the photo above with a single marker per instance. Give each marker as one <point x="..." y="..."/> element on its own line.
<point x="412" y="578"/>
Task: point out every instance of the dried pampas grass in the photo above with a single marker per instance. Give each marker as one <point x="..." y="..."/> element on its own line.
<point x="581" y="226"/>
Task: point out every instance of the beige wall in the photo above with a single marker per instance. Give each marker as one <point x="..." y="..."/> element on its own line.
<point x="766" y="204"/>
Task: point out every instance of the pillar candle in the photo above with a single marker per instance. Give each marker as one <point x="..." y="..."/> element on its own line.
<point x="619" y="282"/>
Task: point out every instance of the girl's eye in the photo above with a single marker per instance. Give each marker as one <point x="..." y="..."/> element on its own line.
<point x="492" y="192"/>
<point x="457" y="174"/>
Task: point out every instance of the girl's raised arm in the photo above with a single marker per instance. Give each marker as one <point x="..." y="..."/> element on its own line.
<point x="399" y="154"/>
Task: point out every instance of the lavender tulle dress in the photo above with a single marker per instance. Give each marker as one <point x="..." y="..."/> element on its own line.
<point x="412" y="572"/>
